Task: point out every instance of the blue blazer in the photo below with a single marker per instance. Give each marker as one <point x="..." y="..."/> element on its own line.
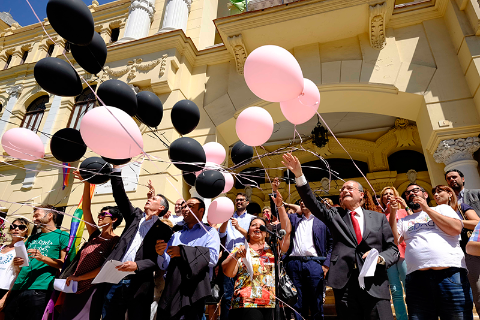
<point x="322" y="238"/>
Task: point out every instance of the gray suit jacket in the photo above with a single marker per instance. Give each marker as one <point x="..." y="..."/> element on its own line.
<point x="472" y="198"/>
<point x="347" y="254"/>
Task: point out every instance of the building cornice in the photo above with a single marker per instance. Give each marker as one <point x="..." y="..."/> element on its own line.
<point x="450" y="133"/>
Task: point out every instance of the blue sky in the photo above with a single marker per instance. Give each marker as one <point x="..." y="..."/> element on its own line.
<point x="21" y="12"/>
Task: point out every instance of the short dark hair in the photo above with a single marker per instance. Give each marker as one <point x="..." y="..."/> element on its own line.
<point x="116" y="214"/>
<point x="421" y="188"/>
<point x="250" y="224"/>
<point x="46" y="209"/>
<point x="242" y="194"/>
<point x="201" y="205"/>
<point x="165" y="205"/>
<point x="460" y="173"/>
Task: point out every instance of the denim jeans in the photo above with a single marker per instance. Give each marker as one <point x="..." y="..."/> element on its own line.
<point x="228" y="286"/>
<point x="439" y="293"/>
<point x="396" y="276"/>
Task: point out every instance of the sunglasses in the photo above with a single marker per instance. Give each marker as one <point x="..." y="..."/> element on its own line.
<point x="20" y="227"/>
<point x="104" y="214"/>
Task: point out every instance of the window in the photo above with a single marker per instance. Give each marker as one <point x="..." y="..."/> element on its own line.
<point x="84" y="103"/>
<point x="50" y="50"/>
<point x="24" y="57"/>
<point x="34" y="114"/>
<point x="9" y="59"/>
<point x="114" y="35"/>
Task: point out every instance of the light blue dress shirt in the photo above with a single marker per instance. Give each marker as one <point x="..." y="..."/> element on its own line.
<point x="234" y="237"/>
<point x="195" y="237"/>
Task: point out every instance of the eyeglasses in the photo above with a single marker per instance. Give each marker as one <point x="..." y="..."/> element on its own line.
<point x="348" y="188"/>
<point x="414" y="190"/>
<point x="20" y="227"/>
<point x="104" y="214"/>
<point x="240" y="200"/>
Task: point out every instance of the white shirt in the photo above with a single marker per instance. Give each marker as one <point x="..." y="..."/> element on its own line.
<point x="360" y="217"/>
<point x="7" y="273"/>
<point x="176" y="219"/>
<point x="143" y="228"/>
<point x="303" y="243"/>
<point x="427" y="245"/>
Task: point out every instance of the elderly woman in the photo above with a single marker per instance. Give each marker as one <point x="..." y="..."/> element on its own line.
<point x="397" y="272"/>
<point x="253" y="295"/>
<point x="9" y="268"/>
<point x="87" y="302"/>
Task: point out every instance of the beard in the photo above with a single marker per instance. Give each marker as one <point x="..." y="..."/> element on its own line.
<point x="412" y="205"/>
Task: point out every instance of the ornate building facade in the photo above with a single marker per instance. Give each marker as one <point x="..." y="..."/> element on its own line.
<point x="398" y="82"/>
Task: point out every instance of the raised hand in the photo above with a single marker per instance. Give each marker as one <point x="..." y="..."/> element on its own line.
<point x="151" y="190"/>
<point x="275" y="185"/>
<point x="293" y="164"/>
<point x="278" y="200"/>
<point x="77" y="175"/>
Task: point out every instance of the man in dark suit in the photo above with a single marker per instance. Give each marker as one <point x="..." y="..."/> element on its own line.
<point x="136" y="249"/>
<point x="308" y="257"/>
<point x="355" y="232"/>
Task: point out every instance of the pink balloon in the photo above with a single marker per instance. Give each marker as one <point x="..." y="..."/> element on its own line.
<point x="228" y="182"/>
<point x="102" y="133"/>
<point x="273" y="74"/>
<point x="215" y="152"/>
<point x="254" y="126"/>
<point x="23" y="144"/>
<point x="304" y="107"/>
<point x="220" y="210"/>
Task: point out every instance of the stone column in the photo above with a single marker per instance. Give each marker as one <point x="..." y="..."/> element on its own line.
<point x="140" y="18"/>
<point x="49" y="122"/>
<point x="14" y="93"/>
<point x="176" y="15"/>
<point x="458" y="154"/>
<point x="193" y="193"/>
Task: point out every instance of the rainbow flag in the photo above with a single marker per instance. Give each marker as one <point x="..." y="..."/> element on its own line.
<point x="76" y="229"/>
<point x="66" y="174"/>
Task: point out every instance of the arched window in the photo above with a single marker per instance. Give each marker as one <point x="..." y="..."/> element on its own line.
<point x="83" y="103"/>
<point x="404" y="160"/>
<point x="34" y="114"/>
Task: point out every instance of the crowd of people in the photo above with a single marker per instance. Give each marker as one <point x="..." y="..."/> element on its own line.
<point x="176" y="267"/>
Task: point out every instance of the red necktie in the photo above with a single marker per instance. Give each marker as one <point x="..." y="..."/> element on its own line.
<point x="356" y="227"/>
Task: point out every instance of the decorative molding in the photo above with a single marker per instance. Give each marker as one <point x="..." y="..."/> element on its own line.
<point x="437" y="136"/>
<point x="134" y="65"/>
<point x="144" y="5"/>
<point x="412" y="175"/>
<point x="14" y="91"/>
<point x="117" y="24"/>
<point x="377" y="24"/>
<point x="453" y="150"/>
<point x="31" y="171"/>
<point x="239" y="51"/>
<point x="404" y="133"/>
<point x="27" y="47"/>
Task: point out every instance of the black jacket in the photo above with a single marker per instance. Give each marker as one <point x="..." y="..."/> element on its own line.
<point x="188" y="280"/>
<point x="347" y="254"/>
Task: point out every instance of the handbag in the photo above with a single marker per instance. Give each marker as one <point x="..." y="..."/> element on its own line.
<point x="286" y="290"/>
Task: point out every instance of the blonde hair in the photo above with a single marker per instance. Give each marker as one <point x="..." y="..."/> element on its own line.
<point x="395" y="193"/>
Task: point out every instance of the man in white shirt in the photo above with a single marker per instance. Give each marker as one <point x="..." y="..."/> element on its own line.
<point x="307" y="259"/>
<point x="177" y="217"/>
<point x="436" y="283"/>
<point x="233" y="237"/>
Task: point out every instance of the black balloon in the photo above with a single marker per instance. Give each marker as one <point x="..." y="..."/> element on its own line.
<point x="189" y="178"/>
<point x="117" y="162"/>
<point x="150" y="108"/>
<point x="91" y="57"/>
<point x="72" y="20"/>
<point x="241" y="152"/>
<point x="187" y="150"/>
<point x="67" y="145"/>
<point x="185" y="116"/>
<point x="210" y="183"/>
<point x="58" y="77"/>
<point x="95" y="170"/>
<point x="118" y="94"/>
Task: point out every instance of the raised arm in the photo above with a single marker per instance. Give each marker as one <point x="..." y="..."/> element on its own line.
<point x="120" y="196"/>
<point x="230" y="265"/>
<point x="392" y="220"/>
<point x="86" y="204"/>
<point x="282" y="213"/>
<point x="317" y="208"/>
